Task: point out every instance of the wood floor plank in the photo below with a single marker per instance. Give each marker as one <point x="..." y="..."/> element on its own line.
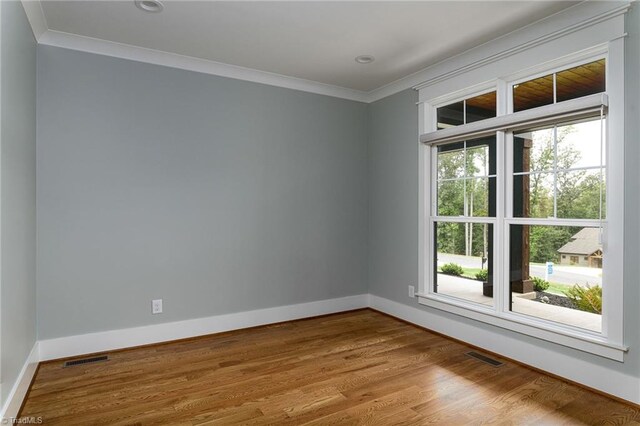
<point x="352" y="368"/>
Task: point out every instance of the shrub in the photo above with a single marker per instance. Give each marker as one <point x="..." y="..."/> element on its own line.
<point x="483" y="275"/>
<point x="539" y="284"/>
<point x="452" y="269"/>
<point x="586" y="298"/>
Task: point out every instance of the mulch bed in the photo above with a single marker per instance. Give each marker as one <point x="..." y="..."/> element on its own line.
<point x="554" y="299"/>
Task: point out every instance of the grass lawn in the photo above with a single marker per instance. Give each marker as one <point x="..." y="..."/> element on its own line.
<point x="471" y="272"/>
<point x="468" y="272"/>
<point x="557" y="288"/>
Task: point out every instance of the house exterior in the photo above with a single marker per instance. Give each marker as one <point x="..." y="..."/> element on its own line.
<point x="584" y="249"/>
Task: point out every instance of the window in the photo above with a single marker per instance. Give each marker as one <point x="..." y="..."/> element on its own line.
<point x="466" y="189"/>
<point x="518" y="232"/>
<point x="558" y="176"/>
<point x="467" y="111"/>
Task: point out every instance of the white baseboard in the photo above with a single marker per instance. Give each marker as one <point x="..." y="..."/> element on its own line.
<point x="21" y="386"/>
<point x="579" y="371"/>
<point x="117" y="339"/>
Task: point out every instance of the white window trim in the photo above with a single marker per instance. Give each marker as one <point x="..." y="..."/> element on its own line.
<point x="609" y="343"/>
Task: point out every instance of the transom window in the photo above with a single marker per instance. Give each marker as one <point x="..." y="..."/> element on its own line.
<point x="467" y="111"/>
<point x="571" y="83"/>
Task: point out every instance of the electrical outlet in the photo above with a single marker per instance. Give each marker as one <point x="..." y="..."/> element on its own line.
<point x="412" y="291"/>
<point x="156" y="306"/>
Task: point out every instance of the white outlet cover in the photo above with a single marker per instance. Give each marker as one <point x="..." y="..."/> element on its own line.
<point x="412" y="291"/>
<point x="156" y="306"/>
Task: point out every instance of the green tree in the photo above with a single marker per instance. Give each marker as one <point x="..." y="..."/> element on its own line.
<point x="544" y="242"/>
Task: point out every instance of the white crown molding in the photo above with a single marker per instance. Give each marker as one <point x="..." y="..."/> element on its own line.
<point x="528" y="45"/>
<point x="117" y="339"/>
<point x="35" y="15"/>
<point x="531" y="353"/>
<point x="173" y="60"/>
<point x="583" y="15"/>
<point x="568" y="21"/>
<point x="21" y="385"/>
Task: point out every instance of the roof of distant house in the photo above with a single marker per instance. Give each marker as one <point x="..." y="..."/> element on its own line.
<point x="584" y="242"/>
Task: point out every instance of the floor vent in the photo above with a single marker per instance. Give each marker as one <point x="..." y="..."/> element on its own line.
<point x="485" y="359"/>
<point x="86" y="361"/>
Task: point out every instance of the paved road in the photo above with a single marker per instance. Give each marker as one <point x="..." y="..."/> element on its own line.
<point x="561" y="274"/>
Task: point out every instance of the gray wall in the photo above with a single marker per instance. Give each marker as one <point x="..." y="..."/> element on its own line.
<point x="393" y="195"/>
<point x="393" y="206"/>
<point x="214" y="194"/>
<point x="17" y="192"/>
<point x="632" y="183"/>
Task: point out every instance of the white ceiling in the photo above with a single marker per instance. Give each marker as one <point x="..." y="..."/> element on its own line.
<point x="316" y="41"/>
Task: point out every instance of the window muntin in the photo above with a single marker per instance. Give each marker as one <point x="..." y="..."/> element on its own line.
<point x="571" y="83"/>
<point x="466" y="111"/>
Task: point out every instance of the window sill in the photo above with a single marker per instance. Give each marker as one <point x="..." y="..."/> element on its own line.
<point x="544" y="330"/>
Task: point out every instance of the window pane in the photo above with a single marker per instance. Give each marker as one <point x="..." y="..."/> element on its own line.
<point x="451" y="161"/>
<point x="451" y="198"/>
<point x="533" y="93"/>
<point x="481" y="157"/>
<point x="533" y="150"/>
<point x="556" y="274"/>
<point x="579" y="194"/>
<point x="579" y="144"/>
<point x="533" y="195"/>
<point x="580" y="81"/>
<point x="480" y="192"/>
<point x="463" y="267"/>
<point x="450" y="115"/>
<point x="478" y="161"/>
<point x="481" y="107"/>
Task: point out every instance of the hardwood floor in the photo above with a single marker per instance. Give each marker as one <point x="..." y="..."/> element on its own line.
<point x="360" y="367"/>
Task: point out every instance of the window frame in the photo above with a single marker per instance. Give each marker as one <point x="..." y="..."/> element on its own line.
<point x="608" y="343"/>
